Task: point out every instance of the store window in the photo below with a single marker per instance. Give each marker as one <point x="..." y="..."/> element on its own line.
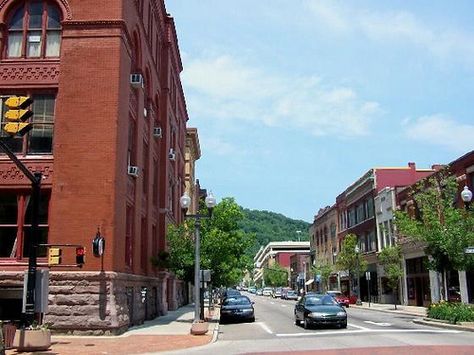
<point x="15" y="224"/>
<point x="34" y="30"/>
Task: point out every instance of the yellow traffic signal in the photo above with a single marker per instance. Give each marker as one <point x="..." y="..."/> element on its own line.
<point x="54" y="256"/>
<point x="17" y="114"/>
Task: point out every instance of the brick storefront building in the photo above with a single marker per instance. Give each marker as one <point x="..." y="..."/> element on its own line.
<point x="104" y="76"/>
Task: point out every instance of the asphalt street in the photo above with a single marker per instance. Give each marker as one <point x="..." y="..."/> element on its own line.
<point x="274" y="331"/>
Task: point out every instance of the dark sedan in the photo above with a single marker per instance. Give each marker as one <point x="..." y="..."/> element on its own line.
<point x="316" y="309"/>
<point x="237" y="308"/>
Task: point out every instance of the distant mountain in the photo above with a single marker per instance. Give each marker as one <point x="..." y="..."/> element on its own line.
<point x="272" y="227"/>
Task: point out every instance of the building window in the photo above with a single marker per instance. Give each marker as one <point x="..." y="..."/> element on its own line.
<point x="34" y="30"/>
<point x="40" y="139"/>
<point x="15" y="224"/>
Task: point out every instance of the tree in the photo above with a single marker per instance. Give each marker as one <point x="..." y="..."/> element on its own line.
<point x="275" y="275"/>
<point x="436" y="221"/>
<point x="223" y="245"/>
<point x="347" y="259"/>
<point x="325" y="271"/>
<point x="391" y="261"/>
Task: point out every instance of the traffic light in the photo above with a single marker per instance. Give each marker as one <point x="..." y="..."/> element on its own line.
<point x="17" y="114"/>
<point x="80" y="255"/>
<point x="54" y="256"/>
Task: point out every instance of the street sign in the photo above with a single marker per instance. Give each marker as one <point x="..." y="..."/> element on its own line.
<point x="469" y="250"/>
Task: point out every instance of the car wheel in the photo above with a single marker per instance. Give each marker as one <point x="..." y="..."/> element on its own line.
<point x="252" y="319"/>
<point x="343" y="324"/>
<point x="305" y="323"/>
<point x="297" y="321"/>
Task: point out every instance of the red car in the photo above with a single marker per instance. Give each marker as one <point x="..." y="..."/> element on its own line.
<point x="340" y="298"/>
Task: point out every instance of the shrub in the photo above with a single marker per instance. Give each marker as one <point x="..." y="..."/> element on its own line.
<point x="452" y="312"/>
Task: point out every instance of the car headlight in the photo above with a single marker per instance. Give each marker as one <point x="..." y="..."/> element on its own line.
<point x="341" y="314"/>
<point x="316" y="315"/>
<point x="247" y="310"/>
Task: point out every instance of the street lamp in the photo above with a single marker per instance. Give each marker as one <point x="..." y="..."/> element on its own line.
<point x="299" y="235"/>
<point x="466" y="196"/>
<point x="185" y="202"/>
<point x="338" y="276"/>
<point x="357" y="251"/>
<point x="304" y="277"/>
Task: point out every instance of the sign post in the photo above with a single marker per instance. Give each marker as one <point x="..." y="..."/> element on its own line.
<point x="367" y="277"/>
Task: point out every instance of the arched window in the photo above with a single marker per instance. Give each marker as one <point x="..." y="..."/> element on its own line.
<point x="34" y="30"/>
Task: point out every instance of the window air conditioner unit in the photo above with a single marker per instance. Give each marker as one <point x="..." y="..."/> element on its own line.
<point x="172" y="155"/>
<point x="136" y="80"/>
<point x="157" y="132"/>
<point x="133" y="170"/>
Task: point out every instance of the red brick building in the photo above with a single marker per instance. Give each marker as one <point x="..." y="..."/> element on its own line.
<point x="109" y="138"/>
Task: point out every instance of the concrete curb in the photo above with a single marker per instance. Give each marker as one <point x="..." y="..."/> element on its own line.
<point x="441" y="324"/>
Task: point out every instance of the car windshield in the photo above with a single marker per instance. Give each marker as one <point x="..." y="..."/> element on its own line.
<point x="334" y="293"/>
<point x="291" y="293"/>
<point x="320" y="301"/>
<point x="236" y="301"/>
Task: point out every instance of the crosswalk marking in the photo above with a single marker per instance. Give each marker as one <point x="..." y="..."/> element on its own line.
<point x="265" y="327"/>
<point x="366" y="330"/>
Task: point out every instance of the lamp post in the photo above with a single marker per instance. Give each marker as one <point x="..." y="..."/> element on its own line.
<point x="357" y="251"/>
<point x="304" y="277"/>
<point x="185" y="202"/>
<point x="299" y="235"/>
<point x="466" y="196"/>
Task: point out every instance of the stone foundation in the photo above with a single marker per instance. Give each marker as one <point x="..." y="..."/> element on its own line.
<point x="105" y="303"/>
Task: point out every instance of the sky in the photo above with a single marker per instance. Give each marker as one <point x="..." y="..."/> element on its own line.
<point x="294" y="100"/>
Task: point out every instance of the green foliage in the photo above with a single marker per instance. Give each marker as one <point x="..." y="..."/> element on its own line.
<point x="325" y="271"/>
<point x="224" y="247"/>
<point x="452" y="312"/>
<point x="272" y="227"/>
<point x="391" y="261"/>
<point x="446" y="229"/>
<point x="347" y="258"/>
<point x="275" y="276"/>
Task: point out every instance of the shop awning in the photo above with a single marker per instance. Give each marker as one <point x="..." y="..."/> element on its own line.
<point x="309" y="282"/>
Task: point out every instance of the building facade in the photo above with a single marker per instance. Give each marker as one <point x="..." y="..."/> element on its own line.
<point x="109" y="139"/>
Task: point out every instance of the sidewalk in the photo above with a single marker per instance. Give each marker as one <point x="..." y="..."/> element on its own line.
<point x="165" y="333"/>
<point x="418" y="312"/>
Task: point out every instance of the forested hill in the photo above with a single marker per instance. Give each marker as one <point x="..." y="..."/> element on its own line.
<point x="272" y="227"/>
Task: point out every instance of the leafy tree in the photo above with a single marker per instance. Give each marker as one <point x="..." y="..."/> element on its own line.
<point x="275" y="276"/>
<point x="445" y="229"/>
<point x="347" y="259"/>
<point x="223" y="245"/>
<point x="325" y="271"/>
<point x="391" y="261"/>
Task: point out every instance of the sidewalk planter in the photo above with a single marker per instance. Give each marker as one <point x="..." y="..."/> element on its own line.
<point x="199" y="328"/>
<point x="32" y="339"/>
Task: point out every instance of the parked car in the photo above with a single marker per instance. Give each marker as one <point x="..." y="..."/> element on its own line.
<point x="237" y="308"/>
<point x="267" y="291"/>
<point x="318" y="309"/>
<point x="259" y="292"/>
<point x="341" y="298"/>
<point x="291" y="295"/>
<point x="276" y="292"/>
<point x="229" y="292"/>
<point x="252" y="289"/>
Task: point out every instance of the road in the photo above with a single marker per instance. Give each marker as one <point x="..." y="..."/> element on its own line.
<point x="368" y="332"/>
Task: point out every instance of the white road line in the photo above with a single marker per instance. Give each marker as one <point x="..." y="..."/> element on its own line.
<point x="284" y="305"/>
<point x="379" y="324"/>
<point x="357" y="326"/>
<point x="368" y="331"/>
<point x="265" y="327"/>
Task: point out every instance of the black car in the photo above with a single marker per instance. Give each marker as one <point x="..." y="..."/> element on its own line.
<point x="316" y="309"/>
<point x="229" y="292"/>
<point x="237" y="308"/>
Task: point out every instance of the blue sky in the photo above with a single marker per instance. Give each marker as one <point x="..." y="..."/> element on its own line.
<point x="296" y="99"/>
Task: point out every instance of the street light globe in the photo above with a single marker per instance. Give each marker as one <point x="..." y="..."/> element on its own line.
<point x="210" y="200"/>
<point x="185" y="201"/>
<point x="466" y="194"/>
<point x="357" y="249"/>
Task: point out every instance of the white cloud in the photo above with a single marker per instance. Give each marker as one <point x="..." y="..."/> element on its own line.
<point x="224" y="88"/>
<point x="401" y="26"/>
<point x="439" y="129"/>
